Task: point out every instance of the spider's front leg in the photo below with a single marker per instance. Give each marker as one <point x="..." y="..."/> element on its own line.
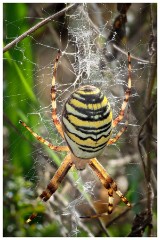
<point x="122" y="130"/>
<point x="53" y="97"/>
<point x="42" y="140"/>
<point x="127" y="95"/>
<point x="109" y="184"/>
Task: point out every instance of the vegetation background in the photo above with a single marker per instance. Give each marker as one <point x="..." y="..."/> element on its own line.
<point x="28" y="166"/>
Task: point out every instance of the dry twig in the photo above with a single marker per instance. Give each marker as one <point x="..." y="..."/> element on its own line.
<point x="37" y="26"/>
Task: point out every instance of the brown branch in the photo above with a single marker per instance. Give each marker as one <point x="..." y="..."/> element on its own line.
<point x="139" y="141"/>
<point x="144" y="144"/>
<point x="132" y="56"/>
<point x="140" y="223"/>
<point x="149" y="124"/>
<point x="37" y="26"/>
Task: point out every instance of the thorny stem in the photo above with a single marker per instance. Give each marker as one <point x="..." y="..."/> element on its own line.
<point x="37" y="26"/>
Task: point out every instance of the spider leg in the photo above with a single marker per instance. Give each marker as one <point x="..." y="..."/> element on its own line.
<point x="109" y="184"/>
<point x="57" y="178"/>
<point x="123" y="129"/>
<point x="53" y="97"/>
<point x="42" y="140"/>
<point x="100" y="171"/>
<point x="127" y="95"/>
<point x="54" y="182"/>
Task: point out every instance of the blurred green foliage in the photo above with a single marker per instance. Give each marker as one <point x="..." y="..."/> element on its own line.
<point x="16" y="82"/>
<point x="18" y="95"/>
<point x="17" y="206"/>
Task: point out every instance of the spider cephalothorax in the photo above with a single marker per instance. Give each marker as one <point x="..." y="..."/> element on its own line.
<point x="86" y="126"/>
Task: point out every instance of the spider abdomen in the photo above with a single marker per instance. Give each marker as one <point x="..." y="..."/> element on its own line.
<point x="87" y="122"/>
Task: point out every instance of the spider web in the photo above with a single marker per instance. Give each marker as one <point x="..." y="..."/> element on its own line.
<point x="88" y="57"/>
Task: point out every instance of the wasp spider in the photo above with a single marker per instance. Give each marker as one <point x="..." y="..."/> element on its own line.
<point x="86" y="127"/>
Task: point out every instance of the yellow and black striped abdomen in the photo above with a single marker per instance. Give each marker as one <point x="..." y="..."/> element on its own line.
<point x="87" y="122"/>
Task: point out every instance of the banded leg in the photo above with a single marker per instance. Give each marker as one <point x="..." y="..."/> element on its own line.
<point x="42" y="140"/>
<point x="53" y="97"/>
<point x="127" y="95"/>
<point x="123" y="129"/>
<point x="57" y="178"/>
<point x="99" y="169"/>
<point x="109" y="184"/>
<point x="54" y="182"/>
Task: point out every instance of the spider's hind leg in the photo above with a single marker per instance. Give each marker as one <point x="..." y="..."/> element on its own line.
<point x="109" y="184"/>
<point x="106" y="180"/>
<point x="54" y="183"/>
<point x="57" y="178"/>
